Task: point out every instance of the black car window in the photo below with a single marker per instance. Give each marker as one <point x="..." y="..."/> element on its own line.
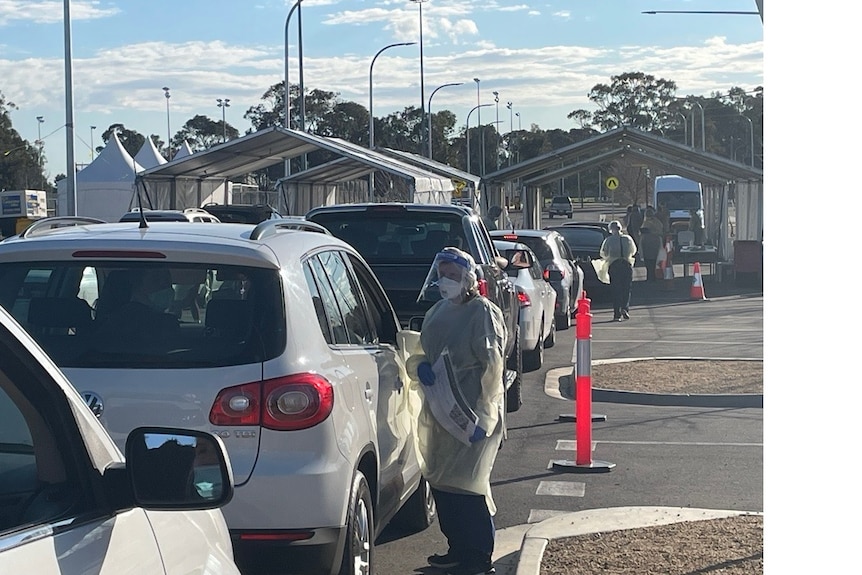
<point x="583" y="238"/>
<point x="348" y="299"/>
<point x="539" y="246"/>
<point x="158" y="315"/>
<point x="381" y="315"/>
<point x="329" y="303"/>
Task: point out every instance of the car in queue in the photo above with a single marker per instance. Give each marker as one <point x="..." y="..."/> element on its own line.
<point x="536" y="300"/>
<point x="585" y="241"/>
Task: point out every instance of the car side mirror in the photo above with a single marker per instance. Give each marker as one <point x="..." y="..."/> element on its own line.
<point x="172" y="468"/>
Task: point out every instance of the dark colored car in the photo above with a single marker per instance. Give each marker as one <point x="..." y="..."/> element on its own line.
<point x="242" y="213"/>
<point x="560" y="206"/>
<point x="558" y="268"/>
<point x="585" y="241"/>
<point x="399" y="242"/>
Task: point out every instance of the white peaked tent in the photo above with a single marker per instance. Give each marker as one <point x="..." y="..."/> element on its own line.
<point x="185" y="150"/>
<point x="148" y="156"/>
<point x="105" y="187"/>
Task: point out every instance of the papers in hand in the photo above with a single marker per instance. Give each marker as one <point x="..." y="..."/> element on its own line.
<point x="448" y="405"/>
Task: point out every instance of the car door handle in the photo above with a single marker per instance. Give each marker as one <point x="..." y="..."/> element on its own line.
<point x="369" y="393"/>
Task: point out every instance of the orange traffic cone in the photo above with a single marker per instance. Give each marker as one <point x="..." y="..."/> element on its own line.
<point x="697" y="284"/>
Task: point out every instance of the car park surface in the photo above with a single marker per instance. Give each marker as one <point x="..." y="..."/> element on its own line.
<point x="278" y="340"/>
<point x="71" y="503"/>
<point x="558" y="268"/>
<point x="536" y="299"/>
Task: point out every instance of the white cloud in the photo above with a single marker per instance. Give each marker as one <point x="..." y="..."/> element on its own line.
<point x="51" y="12"/>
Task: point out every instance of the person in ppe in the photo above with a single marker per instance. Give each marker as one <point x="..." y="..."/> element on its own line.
<point x="463" y="338"/>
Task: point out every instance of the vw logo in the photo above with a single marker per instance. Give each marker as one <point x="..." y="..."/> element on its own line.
<point x="94" y="402"/>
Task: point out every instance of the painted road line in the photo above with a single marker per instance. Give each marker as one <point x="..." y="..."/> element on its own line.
<point x="561" y="488"/>
<point x="539" y="515"/>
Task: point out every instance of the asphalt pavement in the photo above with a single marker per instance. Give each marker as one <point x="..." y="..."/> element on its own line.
<point x="519" y="549"/>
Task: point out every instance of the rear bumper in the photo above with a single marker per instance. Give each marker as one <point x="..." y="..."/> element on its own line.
<point x="319" y="554"/>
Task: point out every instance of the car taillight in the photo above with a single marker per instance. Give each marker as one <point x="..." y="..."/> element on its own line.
<point x="553" y="273"/>
<point x="524" y="299"/>
<point x="483" y="287"/>
<point x="288" y="403"/>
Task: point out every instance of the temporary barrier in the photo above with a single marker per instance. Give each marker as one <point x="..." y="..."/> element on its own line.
<point x="697" y="284"/>
<point x="583" y="398"/>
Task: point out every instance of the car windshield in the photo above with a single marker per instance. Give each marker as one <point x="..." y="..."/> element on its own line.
<point x="154" y="315"/>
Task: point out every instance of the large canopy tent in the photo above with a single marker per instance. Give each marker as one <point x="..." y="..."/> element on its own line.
<point x="466" y="184"/>
<point x="194" y="180"/>
<point x="105" y="188"/>
<point x="733" y="192"/>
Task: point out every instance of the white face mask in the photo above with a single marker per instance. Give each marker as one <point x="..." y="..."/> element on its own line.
<point x="449" y="289"/>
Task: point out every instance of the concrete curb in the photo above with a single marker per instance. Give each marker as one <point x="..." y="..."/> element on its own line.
<point x="601" y="520"/>
<point x="741" y="400"/>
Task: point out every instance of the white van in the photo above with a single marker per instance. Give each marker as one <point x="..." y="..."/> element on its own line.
<point x="679" y="196"/>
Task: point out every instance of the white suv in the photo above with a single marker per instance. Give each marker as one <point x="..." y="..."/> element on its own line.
<point x="276" y="338"/>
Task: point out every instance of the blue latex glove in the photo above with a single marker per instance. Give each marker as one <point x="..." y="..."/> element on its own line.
<point x="425" y="373"/>
<point x="478" y="435"/>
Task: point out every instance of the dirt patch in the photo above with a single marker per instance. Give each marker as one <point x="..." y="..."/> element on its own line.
<point x="677" y="376"/>
<point x="730" y="546"/>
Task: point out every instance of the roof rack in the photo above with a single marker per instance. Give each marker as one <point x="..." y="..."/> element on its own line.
<point x="47" y="224"/>
<point x="269" y="227"/>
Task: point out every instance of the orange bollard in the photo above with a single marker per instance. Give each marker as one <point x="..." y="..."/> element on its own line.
<point x="697" y="291"/>
<point x="583" y="398"/>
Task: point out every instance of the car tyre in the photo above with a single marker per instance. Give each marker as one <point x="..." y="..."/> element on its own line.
<point x="359" y="543"/>
<point x="419" y="511"/>
<point x="563" y="320"/>
<point x="515" y="363"/>
<point x="551" y="340"/>
<point x="534" y="358"/>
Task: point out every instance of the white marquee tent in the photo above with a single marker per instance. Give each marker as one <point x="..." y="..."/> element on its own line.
<point x="148" y="156"/>
<point x="103" y="189"/>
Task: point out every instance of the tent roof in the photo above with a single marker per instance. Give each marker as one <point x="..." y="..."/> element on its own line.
<point x="432" y="166"/>
<point x="113" y="164"/>
<point x="275" y="144"/>
<point x="148" y="156"/>
<point x="185" y="150"/>
<point x="616" y="144"/>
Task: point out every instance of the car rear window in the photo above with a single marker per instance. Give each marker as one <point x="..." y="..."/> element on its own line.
<point x="157" y="315"/>
<point x="403" y="237"/>
<point x="583" y="238"/>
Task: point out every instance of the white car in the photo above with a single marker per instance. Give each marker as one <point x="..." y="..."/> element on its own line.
<point x="71" y="503"/>
<point x="277" y="338"/>
<point x="536" y="300"/>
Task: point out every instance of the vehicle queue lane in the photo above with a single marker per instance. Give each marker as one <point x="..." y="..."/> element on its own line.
<point x="676" y="456"/>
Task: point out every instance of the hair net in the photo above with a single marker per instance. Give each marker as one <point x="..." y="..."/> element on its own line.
<point x="458" y="266"/>
<point x="615" y="225"/>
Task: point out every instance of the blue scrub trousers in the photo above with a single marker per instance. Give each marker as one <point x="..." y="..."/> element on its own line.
<point x="467" y="525"/>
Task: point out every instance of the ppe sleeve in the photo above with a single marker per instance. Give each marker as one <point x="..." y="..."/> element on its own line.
<point x="490" y="346"/>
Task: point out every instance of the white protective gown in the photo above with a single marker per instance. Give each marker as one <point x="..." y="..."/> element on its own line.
<point x="475" y="334"/>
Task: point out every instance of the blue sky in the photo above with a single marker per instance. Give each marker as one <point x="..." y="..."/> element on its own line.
<point x="543" y="56"/>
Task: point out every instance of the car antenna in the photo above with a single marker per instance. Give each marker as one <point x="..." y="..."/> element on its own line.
<point x="142" y="220"/>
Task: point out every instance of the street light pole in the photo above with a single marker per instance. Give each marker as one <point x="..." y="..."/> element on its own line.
<point x="684" y="129"/>
<point x="702" y="127"/>
<point x="39" y="120"/>
<point x="518" y="114"/>
<point x="751" y="137"/>
<point x="71" y="175"/>
<point x="497" y="126"/>
<point x="223" y="103"/>
<point x="92" y="149"/>
<point x="371" y="108"/>
<point x="286" y="123"/>
<point x="168" y="108"/>
<point x="431" y="97"/>
<point x="511" y="144"/>
<point x="479" y="125"/>
<point x="468" y="132"/>
<point x="422" y="76"/>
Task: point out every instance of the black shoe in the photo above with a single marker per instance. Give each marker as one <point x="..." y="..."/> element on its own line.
<point x="617" y="318"/>
<point x="472" y="569"/>
<point x="625" y="314"/>
<point x="443" y="561"/>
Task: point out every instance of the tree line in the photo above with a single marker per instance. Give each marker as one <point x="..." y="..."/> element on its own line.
<point x="732" y="122"/>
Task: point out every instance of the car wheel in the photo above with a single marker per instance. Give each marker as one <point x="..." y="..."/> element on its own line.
<point x="419" y="511"/>
<point x="550" y="216"/>
<point x="359" y="545"/>
<point x="533" y="358"/>
<point x="563" y="320"/>
<point x="515" y="364"/>
<point x="551" y="340"/>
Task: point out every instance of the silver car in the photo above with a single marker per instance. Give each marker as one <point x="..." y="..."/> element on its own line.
<point x="276" y="338"/>
<point x="536" y="299"/>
